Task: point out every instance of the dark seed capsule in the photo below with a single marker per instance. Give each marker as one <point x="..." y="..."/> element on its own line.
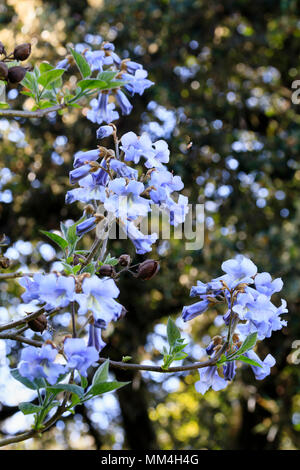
<point x="39" y="324"/>
<point x="4" y="262"/>
<point x="124" y="260"/>
<point x="16" y="74"/>
<point x="22" y="52"/>
<point x="3" y="71"/>
<point x="107" y="270"/>
<point x="148" y="269"/>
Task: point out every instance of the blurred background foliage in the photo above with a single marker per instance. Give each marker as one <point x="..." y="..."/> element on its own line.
<point x="223" y="74"/>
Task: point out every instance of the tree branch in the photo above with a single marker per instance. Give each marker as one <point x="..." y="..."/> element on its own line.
<point x="15" y="275"/>
<point x="39" y="113"/>
<point x="32" y="316"/>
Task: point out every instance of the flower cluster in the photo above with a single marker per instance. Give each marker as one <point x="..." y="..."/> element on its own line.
<point x="116" y="186"/>
<point x="92" y="294"/>
<point x="247" y="295"/>
<point x="40" y="363"/>
<point x="130" y="74"/>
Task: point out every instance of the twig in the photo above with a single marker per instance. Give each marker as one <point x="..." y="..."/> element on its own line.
<point x="21" y="339"/>
<point x="39" y="113"/>
<point x="32" y="316"/>
<point x="15" y="275"/>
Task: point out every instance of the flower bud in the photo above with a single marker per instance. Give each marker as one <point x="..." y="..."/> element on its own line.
<point x="22" y="52"/>
<point x="4" y="262"/>
<point x="2" y="49"/>
<point x="124" y="260"/>
<point x="107" y="270"/>
<point x="16" y="74"/>
<point x="3" y="71"/>
<point x="148" y="269"/>
<point x="39" y="324"/>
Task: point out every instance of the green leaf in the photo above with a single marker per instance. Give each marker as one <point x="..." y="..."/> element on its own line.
<point x="104" y="387"/>
<point x="71" y="232"/>
<point x="114" y="84"/>
<point x="126" y="358"/>
<point x="84" y="381"/>
<point x="179" y="356"/>
<point x="3" y="105"/>
<point x="46" y="78"/>
<point x="101" y="374"/>
<point x="92" y="84"/>
<point x="89" y="268"/>
<point x="81" y="63"/>
<point x="173" y="332"/>
<point x="249" y="343"/>
<point x="107" y="75"/>
<point x="29" y="408"/>
<point x="30" y="82"/>
<point x="45" y="67"/>
<point x="28" y="383"/>
<point x="248" y="361"/>
<point x="110" y="260"/>
<point x="67" y="388"/>
<point x="61" y="242"/>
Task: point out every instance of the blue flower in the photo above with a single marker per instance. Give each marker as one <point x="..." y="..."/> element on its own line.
<point x="209" y="378"/>
<point x="126" y="202"/>
<point x="125" y="105"/>
<point x="85" y="226"/>
<point x="97" y="59"/>
<point x="95" y="338"/>
<point x="123" y="170"/>
<point x="31" y="286"/>
<point x="104" y="131"/>
<point x="229" y="370"/>
<point x="98" y="297"/>
<point x="79" y="173"/>
<point x="56" y="291"/>
<point x="134" y="147"/>
<point x="240" y="269"/>
<point x="192" y="311"/>
<point x="143" y="243"/>
<point x="80" y="158"/>
<point x="265" y="285"/>
<point x="102" y="111"/>
<point x="79" y="356"/>
<point x="265" y="369"/>
<point x="37" y="363"/>
<point x="138" y="81"/>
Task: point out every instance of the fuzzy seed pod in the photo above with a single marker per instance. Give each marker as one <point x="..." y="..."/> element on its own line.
<point x="4" y="262"/>
<point x="16" y="74"/>
<point x="124" y="260"/>
<point x="22" y="52"/>
<point x="107" y="270"/>
<point x="39" y="324"/>
<point x="148" y="269"/>
<point x="3" y="71"/>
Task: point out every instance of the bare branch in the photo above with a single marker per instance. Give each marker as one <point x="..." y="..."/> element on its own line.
<point x="15" y="275"/>
<point x="39" y="113"/>
<point x="32" y="316"/>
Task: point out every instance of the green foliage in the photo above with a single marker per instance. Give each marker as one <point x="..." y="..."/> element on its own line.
<point x="176" y="345"/>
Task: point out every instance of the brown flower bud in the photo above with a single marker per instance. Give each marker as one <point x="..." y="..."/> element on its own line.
<point x="38" y="324"/>
<point x="4" y="262"/>
<point x="124" y="260"/>
<point x="148" y="269"/>
<point x="3" y="71"/>
<point x="107" y="270"/>
<point x="16" y="74"/>
<point x="22" y="52"/>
